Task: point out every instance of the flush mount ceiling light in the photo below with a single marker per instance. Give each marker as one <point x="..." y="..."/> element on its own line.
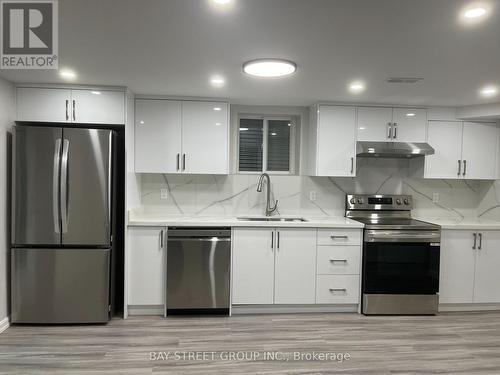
<point x="217" y="81"/>
<point x="269" y="68"/>
<point x="357" y="87"/>
<point x="475" y="12"/>
<point x="67" y="74"/>
<point x="488" y="91"/>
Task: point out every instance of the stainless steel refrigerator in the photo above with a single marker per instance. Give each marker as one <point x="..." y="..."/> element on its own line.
<point x="61" y="224"/>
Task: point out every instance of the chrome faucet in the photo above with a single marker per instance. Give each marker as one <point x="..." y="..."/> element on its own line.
<point x="269" y="210"/>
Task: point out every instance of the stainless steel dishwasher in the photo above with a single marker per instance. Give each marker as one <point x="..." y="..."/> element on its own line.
<point x="198" y="271"/>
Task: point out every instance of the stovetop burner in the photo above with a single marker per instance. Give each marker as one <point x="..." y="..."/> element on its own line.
<point x="391" y="212"/>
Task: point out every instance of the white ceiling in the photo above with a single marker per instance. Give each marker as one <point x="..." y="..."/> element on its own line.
<point x="173" y="46"/>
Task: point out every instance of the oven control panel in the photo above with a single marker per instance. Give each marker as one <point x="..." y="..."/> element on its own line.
<point x="378" y="202"/>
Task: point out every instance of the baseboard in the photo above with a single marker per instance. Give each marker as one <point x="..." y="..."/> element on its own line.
<point x="293" y="309"/>
<point x="449" y="307"/>
<point x="141" y="310"/>
<point x="4" y="324"/>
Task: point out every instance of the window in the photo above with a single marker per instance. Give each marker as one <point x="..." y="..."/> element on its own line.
<point x="265" y="144"/>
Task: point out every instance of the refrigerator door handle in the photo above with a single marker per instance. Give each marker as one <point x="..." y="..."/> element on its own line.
<point x="64" y="186"/>
<point x="55" y="185"/>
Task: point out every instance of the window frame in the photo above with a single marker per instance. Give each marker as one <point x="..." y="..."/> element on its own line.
<point x="265" y="130"/>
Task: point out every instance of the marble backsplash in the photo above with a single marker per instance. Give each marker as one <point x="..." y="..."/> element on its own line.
<point x="211" y="195"/>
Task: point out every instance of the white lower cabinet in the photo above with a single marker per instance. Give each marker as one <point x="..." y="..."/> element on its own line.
<point x="253" y="266"/>
<point x="337" y="289"/>
<point x="295" y="265"/>
<point x="147" y="257"/>
<point x="274" y="265"/>
<point x="469" y="266"/>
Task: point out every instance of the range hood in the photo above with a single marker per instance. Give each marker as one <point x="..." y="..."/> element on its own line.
<point x="392" y="149"/>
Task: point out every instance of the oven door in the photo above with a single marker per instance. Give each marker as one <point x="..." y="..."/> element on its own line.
<point x="401" y="262"/>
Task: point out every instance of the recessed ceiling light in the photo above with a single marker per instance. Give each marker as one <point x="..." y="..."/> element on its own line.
<point x="221" y="2"/>
<point x="96" y="92"/>
<point x="356" y="87"/>
<point x="273" y="133"/>
<point x="474" y="12"/>
<point x="217" y="108"/>
<point x="489" y="91"/>
<point x="217" y="124"/>
<point x="217" y="81"/>
<point x="141" y="122"/>
<point x="410" y="114"/>
<point x="243" y="129"/>
<point x="67" y="74"/>
<point x="269" y="68"/>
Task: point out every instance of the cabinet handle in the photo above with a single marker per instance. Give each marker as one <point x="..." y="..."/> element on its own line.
<point x="67" y="104"/>
<point x="465" y="167"/>
<point x="389" y="130"/>
<point x="395" y="130"/>
<point x="74" y="110"/>
<point x="183" y="162"/>
<point x="161" y="239"/>
<point x="338" y="260"/>
<point x="278" y="244"/>
<point x="475" y="241"/>
<point x="178" y="161"/>
<point x="272" y="240"/>
<point x="459" y="167"/>
<point x="339" y="237"/>
<point x="480" y="241"/>
<point x="352" y="165"/>
<point x="338" y="290"/>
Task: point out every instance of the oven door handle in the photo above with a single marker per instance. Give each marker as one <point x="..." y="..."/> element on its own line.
<point x="403" y="236"/>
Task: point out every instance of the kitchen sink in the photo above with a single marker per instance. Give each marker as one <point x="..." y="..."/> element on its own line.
<point x="272" y="219"/>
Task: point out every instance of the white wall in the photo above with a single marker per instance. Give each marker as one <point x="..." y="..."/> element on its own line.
<point x="7" y="110"/>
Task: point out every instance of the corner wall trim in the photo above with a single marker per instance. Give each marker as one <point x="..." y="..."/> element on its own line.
<point x="4" y="324"/>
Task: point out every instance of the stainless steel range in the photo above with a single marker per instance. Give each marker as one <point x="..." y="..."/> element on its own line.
<point x="400" y="256"/>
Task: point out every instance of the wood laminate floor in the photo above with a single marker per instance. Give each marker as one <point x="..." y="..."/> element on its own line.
<point x="452" y="343"/>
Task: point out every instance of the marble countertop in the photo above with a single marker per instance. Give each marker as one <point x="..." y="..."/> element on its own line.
<point x="466" y="223"/>
<point x="231" y="221"/>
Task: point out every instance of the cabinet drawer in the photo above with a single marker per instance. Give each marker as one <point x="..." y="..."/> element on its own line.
<point x="337" y="289"/>
<point x="333" y="260"/>
<point x="339" y="236"/>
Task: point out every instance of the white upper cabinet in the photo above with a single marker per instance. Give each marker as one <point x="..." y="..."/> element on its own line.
<point x="479" y="152"/>
<point x="98" y="107"/>
<point x="295" y="269"/>
<point x="181" y="137"/>
<point x="70" y="106"/>
<point x="205" y="137"/>
<point x="446" y="139"/>
<point x="381" y="124"/>
<point x="157" y="136"/>
<point x="409" y="124"/>
<point x="334" y="133"/>
<point x="44" y="105"/>
<point x="462" y="150"/>
<point x="374" y="124"/>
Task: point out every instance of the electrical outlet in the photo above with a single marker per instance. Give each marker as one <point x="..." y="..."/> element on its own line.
<point x="312" y="195"/>
<point x="435" y="197"/>
<point x="163" y="193"/>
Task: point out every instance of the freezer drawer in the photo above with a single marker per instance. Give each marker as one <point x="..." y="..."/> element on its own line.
<point x="60" y="285"/>
<point x="198" y="271"/>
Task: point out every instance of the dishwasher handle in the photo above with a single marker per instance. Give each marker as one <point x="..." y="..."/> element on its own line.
<point x="207" y="239"/>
